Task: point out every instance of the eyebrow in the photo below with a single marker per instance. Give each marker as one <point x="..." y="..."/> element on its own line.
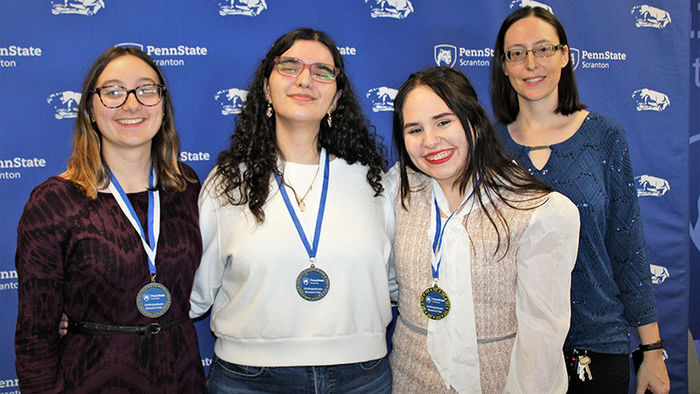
<point x="537" y="43"/>
<point x="435" y="117"/>
<point x="119" y="82"/>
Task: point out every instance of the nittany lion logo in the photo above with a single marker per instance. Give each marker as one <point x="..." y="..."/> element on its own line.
<point x="574" y="57"/>
<point x="382" y="98"/>
<point x="397" y="9"/>
<point x="648" y="16"/>
<point x="530" y="3"/>
<point x="445" y="55"/>
<point x="648" y="185"/>
<point x="242" y="7"/>
<point x="650" y="100"/>
<point x="65" y="104"/>
<point x="659" y="274"/>
<point x="231" y="100"/>
<point x="79" y="7"/>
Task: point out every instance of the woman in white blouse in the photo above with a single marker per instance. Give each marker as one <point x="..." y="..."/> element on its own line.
<point x="483" y="251"/>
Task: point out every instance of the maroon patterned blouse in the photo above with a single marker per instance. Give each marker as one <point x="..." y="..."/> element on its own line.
<point x="82" y="256"/>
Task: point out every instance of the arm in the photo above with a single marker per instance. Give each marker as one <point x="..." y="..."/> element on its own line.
<point x="628" y="256"/>
<point x="545" y="257"/>
<point x="652" y="374"/>
<point x="39" y="261"/>
<point x="207" y="279"/>
<point x="390" y="181"/>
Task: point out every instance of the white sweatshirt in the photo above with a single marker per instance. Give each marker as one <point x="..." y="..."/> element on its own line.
<point x="248" y="273"/>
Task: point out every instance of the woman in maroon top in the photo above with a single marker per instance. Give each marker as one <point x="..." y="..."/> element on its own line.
<point x="114" y="242"/>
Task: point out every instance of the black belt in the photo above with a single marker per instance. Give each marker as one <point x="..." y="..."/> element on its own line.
<point x="84" y="327"/>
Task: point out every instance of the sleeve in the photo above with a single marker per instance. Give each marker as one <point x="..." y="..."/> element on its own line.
<point x="39" y="261"/>
<point x="545" y="257"/>
<point x="207" y="279"/>
<point x="624" y="238"/>
<point x="390" y="182"/>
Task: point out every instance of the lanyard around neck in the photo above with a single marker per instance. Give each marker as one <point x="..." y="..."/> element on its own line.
<point x="311" y="250"/>
<point x="153" y="222"/>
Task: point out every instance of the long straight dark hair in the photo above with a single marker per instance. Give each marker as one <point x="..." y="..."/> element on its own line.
<point x="487" y="165"/>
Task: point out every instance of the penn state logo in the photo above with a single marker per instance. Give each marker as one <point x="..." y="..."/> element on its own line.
<point x="129" y="44"/>
<point x="397" y="9"/>
<point x="650" y="100"/>
<point x="445" y="55"/>
<point x="79" y="7"/>
<point x="574" y="57"/>
<point x="231" y="100"/>
<point x="382" y="98"/>
<point x="530" y="3"/>
<point x="648" y="16"/>
<point x="651" y="186"/>
<point x="65" y="104"/>
<point x="242" y="7"/>
<point x="659" y="274"/>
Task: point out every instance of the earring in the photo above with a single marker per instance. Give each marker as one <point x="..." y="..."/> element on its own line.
<point x="268" y="113"/>
<point x="92" y="119"/>
<point x="329" y="120"/>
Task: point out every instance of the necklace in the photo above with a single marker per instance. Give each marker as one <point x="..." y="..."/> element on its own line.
<point x="300" y="201"/>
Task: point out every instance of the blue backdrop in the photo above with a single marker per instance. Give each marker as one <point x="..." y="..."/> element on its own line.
<point x="633" y="60"/>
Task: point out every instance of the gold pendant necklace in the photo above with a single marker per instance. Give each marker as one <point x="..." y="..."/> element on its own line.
<point x="300" y="201"/>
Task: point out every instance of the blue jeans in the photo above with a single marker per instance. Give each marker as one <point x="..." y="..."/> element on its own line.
<point x="366" y="377"/>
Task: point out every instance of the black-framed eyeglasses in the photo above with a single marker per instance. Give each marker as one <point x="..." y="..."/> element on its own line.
<point x="518" y="54"/>
<point x="292" y="67"/>
<point x="114" y="96"/>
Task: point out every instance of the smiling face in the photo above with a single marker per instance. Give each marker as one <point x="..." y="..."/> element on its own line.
<point x="132" y="125"/>
<point x="536" y="78"/>
<point x="434" y="137"/>
<point x="302" y="100"/>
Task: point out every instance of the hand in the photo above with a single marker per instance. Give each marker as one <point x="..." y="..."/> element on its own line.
<point x="63" y="325"/>
<point x="652" y="374"/>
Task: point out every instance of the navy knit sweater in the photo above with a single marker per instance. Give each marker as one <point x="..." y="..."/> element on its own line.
<point x="611" y="282"/>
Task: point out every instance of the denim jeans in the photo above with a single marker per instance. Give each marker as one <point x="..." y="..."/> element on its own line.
<point x="365" y="377"/>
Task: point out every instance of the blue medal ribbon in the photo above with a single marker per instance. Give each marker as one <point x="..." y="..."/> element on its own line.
<point x="153" y="220"/>
<point x="310" y="250"/>
<point x="440" y="231"/>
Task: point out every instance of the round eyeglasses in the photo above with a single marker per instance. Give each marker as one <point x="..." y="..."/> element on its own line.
<point x="292" y="67"/>
<point x="518" y="54"/>
<point x="114" y="96"/>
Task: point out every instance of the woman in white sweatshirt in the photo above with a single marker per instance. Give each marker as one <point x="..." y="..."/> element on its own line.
<point x="295" y="238"/>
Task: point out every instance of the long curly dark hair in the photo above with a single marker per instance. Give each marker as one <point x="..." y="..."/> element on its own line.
<point x="244" y="169"/>
<point x="486" y="161"/>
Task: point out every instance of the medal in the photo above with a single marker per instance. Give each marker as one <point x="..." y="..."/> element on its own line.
<point x="435" y="303"/>
<point x="153" y="300"/>
<point x="312" y="283"/>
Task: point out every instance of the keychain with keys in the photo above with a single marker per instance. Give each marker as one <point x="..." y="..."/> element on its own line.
<point x="582" y="368"/>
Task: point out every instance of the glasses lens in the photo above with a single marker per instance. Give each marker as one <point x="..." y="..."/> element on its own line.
<point x="323" y="72"/>
<point x="544" y="50"/>
<point x="148" y="94"/>
<point x="515" y="54"/>
<point x="112" y="96"/>
<point x="290" y="67"/>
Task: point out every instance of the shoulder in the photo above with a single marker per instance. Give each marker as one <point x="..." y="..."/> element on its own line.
<point x="56" y="190"/>
<point x="603" y="126"/>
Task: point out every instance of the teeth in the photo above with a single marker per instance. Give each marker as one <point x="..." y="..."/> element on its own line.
<point x="534" y="79"/>
<point x="440" y="155"/>
<point x="130" y="121"/>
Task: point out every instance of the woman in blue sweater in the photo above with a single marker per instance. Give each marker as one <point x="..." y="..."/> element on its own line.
<point x="583" y="155"/>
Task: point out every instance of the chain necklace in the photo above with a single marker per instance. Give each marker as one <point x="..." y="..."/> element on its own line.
<point x="300" y="201"/>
